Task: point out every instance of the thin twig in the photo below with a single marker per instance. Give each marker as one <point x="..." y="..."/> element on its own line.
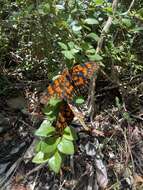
<point x="35" y="180"/>
<point x="24" y="84"/>
<point x="125" y="84"/>
<point x="37" y="168"/>
<point x="106" y="27"/>
<point x="98" y="49"/>
<point x="61" y="186"/>
<point x="130" y="7"/>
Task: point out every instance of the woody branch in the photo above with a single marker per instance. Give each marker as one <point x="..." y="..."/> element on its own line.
<point x="104" y="31"/>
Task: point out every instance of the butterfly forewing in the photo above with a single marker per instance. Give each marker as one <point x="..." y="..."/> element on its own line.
<point x="81" y="76"/>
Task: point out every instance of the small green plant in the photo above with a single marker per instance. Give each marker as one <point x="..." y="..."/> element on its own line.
<point x="53" y="146"/>
<point x="125" y="114"/>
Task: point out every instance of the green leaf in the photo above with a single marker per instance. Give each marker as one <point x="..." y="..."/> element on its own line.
<point x="108" y="9"/>
<point x="51" y="117"/>
<point x="63" y="46"/>
<point x="127" y="22"/>
<point x="51" y="112"/>
<point x="40" y="157"/>
<point x="38" y="146"/>
<point x="47" y="110"/>
<point x="91" y="21"/>
<point x="74" y="51"/>
<point x="95" y="57"/>
<point x="55" y="162"/>
<point x="93" y="36"/>
<point x="68" y="54"/>
<point x="70" y="134"/>
<point x="137" y="29"/>
<point x="71" y="44"/>
<point x="99" y="2"/>
<point x="52" y="109"/>
<point x="46" y="7"/>
<point x="74" y="47"/>
<point x="43" y="9"/>
<point x="140" y="12"/>
<point x="54" y="101"/>
<point x="60" y="7"/>
<point x="46" y="129"/>
<point x="90" y="51"/>
<point x="85" y="46"/>
<point x="76" y="28"/>
<point x="79" y="100"/>
<point x="127" y="117"/>
<point x="66" y="146"/>
<point x="49" y="145"/>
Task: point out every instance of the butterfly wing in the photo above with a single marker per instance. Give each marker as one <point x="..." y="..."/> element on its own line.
<point x="74" y="82"/>
<point x="61" y="88"/>
<point x="81" y="76"/>
<point x="64" y="118"/>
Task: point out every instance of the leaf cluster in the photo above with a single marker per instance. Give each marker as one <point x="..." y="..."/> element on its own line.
<point x="53" y="147"/>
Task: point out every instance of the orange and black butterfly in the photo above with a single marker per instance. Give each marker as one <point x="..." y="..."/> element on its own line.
<point x="71" y="83"/>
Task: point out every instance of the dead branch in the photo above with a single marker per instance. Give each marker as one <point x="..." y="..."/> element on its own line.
<point x="130" y="7"/>
<point x="99" y="47"/>
<point x="106" y="27"/>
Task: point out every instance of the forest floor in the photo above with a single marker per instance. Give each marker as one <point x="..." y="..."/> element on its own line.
<point x="118" y="146"/>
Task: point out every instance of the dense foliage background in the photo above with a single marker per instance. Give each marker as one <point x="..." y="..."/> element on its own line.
<point x="39" y="38"/>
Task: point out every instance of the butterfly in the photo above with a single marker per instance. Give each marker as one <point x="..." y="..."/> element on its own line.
<point x="71" y="83"/>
